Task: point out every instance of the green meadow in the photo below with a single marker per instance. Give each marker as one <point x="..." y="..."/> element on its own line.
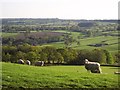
<point x="24" y="76"/>
<point x="112" y="42"/>
<point x="8" y="34"/>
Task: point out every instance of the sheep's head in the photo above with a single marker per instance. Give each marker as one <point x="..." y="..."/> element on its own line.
<point x="86" y="61"/>
<point x="20" y="59"/>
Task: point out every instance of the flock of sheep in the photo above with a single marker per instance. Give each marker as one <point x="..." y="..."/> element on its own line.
<point x="38" y="63"/>
<point x="94" y="67"/>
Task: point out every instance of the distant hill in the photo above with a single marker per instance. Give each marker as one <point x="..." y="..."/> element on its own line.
<point x="34" y="21"/>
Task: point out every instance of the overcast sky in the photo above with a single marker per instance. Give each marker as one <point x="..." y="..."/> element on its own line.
<point x="63" y="9"/>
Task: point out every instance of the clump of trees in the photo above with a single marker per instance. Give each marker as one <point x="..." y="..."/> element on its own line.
<point x="33" y="38"/>
<point x="52" y="55"/>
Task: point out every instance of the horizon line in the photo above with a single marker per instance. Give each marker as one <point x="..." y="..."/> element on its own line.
<point x="52" y="18"/>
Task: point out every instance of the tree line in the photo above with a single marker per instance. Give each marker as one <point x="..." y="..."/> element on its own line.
<point x="52" y="55"/>
<point x="33" y="38"/>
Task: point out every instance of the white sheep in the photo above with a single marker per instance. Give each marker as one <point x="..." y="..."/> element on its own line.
<point x="20" y="61"/>
<point x="94" y="67"/>
<point x="116" y="72"/>
<point x="42" y="63"/>
<point x="39" y="63"/>
<point x="28" y="62"/>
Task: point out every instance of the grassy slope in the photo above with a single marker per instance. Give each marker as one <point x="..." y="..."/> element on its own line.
<point x="24" y="76"/>
<point x="93" y="40"/>
<point x="111" y="40"/>
<point x="83" y="42"/>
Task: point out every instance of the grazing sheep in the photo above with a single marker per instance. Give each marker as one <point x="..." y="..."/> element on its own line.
<point x="94" y="67"/>
<point x="20" y="61"/>
<point x="28" y="62"/>
<point x="39" y="63"/>
<point x="116" y="72"/>
<point x="42" y="63"/>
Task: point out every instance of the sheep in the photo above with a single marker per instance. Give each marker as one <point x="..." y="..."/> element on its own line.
<point x="116" y="72"/>
<point x="39" y="63"/>
<point x="94" y="67"/>
<point x="42" y="63"/>
<point x="20" y="61"/>
<point x="28" y="62"/>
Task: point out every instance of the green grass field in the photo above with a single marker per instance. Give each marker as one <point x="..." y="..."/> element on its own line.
<point x="84" y="42"/>
<point x="23" y="76"/>
<point x="112" y="41"/>
<point x="8" y="34"/>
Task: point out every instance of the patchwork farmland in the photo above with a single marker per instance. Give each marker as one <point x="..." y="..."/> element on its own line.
<point x="62" y="45"/>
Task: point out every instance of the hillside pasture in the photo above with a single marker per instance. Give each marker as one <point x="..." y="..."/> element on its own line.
<point x="23" y="76"/>
<point x="112" y="42"/>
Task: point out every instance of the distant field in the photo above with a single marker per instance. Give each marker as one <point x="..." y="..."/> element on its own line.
<point x="84" y="42"/>
<point x="23" y="76"/>
<point x="8" y="34"/>
<point x="111" y="40"/>
<point x="74" y="34"/>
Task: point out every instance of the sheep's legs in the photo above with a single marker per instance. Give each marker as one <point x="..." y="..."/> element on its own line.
<point x="100" y="71"/>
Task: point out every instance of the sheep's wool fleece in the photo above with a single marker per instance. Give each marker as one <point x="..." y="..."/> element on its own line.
<point x="92" y="66"/>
